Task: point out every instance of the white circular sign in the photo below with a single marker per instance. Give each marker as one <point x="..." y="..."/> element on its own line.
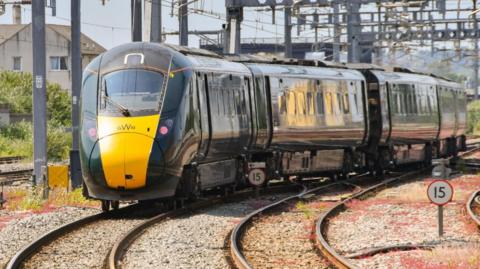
<point x="440" y="192"/>
<point x="256" y="177"/>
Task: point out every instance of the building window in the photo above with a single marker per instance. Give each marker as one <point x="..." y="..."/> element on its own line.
<point x="58" y="63"/>
<point x="17" y="63"/>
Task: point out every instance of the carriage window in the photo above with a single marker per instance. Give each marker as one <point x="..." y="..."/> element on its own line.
<point x="340" y="102"/>
<point x="356" y="103"/>
<point x="301" y="103"/>
<point x="329" y="103"/>
<point x="346" y="102"/>
<point x="320" y="110"/>
<point x="310" y="106"/>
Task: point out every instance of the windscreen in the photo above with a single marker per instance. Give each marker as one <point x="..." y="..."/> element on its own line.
<point x="131" y="92"/>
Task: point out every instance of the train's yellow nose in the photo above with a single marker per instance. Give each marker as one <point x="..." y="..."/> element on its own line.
<point x="125" y="148"/>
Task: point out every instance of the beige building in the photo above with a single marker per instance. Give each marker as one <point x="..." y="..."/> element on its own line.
<point x="16" y="50"/>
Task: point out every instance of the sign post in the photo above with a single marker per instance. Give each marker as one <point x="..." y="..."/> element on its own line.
<point x="440" y="192"/>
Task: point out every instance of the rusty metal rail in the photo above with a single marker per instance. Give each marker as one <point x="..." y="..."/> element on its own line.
<point x="474" y="198"/>
<point x="328" y="251"/>
<point x="11" y="159"/>
<point x="121" y="246"/>
<point x="236" y="253"/>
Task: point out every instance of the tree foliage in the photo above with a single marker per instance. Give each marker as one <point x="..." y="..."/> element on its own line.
<point x="17" y="139"/>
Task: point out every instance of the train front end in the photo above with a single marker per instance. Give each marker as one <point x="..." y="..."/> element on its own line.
<point x="129" y="105"/>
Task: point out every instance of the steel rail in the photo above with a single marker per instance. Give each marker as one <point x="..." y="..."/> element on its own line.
<point x="121" y="246"/>
<point x="320" y="227"/>
<point x="25" y="253"/>
<point x="21" y="256"/>
<point x="11" y="159"/>
<point x="237" y="255"/>
<point x="16" y="172"/>
<point x="470" y="203"/>
<point x="331" y="254"/>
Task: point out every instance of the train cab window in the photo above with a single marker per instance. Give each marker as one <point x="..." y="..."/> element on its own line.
<point x="89" y="92"/>
<point x="131" y="91"/>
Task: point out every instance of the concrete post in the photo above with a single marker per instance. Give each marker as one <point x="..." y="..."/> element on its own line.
<point x="183" y="22"/>
<point x="136" y="11"/>
<point x="288" y="32"/>
<point x="39" y="89"/>
<point x="156" y="21"/>
<point x="75" y="169"/>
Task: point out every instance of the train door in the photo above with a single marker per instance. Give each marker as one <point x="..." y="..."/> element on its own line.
<point x="456" y="109"/>
<point x="262" y="115"/>
<point x="204" y="110"/>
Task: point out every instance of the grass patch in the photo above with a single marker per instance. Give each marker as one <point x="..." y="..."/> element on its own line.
<point x="32" y="199"/>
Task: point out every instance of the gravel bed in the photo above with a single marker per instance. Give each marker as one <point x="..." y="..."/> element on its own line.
<point x="84" y="248"/>
<point x="16" y="166"/>
<point x="403" y="215"/>
<point x="26" y="227"/>
<point x="285" y="238"/>
<point x="195" y="241"/>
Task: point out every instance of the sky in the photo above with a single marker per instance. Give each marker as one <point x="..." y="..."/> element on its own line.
<point x="109" y="25"/>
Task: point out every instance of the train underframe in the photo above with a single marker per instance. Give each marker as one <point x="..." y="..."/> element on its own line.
<point x="334" y="163"/>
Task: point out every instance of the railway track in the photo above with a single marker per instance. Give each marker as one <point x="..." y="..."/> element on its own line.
<point x="473" y="207"/>
<point x="321" y="225"/>
<point x="15" y="175"/>
<point x="34" y="254"/>
<point x="11" y="159"/>
<point x="114" y="260"/>
<point x="237" y="252"/>
<point x="39" y="252"/>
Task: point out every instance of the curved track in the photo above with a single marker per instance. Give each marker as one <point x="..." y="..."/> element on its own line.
<point x="25" y="253"/>
<point x="472" y="203"/>
<point x="22" y="256"/>
<point x="121" y="246"/>
<point x="237" y="254"/>
<point x="333" y="256"/>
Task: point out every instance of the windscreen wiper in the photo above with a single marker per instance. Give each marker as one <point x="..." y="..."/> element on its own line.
<point x="122" y="109"/>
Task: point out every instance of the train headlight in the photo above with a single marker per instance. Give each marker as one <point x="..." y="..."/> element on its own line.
<point x="163" y="130"/>
<point x="90" y="129"/>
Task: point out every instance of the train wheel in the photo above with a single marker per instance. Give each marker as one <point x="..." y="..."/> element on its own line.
<point x="115" y="205"/>
<point x="105" y="205"/>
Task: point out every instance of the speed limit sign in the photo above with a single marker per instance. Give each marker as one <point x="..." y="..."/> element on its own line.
<point x="256" y="176"/>
<point x="440" y="192"/>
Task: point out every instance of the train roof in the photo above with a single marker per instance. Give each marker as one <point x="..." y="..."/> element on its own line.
<point x="402" y="77"/>
<point x="450" y="84"/>
<point x="203" y="63"/>
<point x="283" y="70"/>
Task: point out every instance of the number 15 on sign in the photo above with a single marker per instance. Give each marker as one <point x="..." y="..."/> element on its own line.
<point x="440" y="192"/>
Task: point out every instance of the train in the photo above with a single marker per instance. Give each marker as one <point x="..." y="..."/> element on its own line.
<point x="161" y="121"/>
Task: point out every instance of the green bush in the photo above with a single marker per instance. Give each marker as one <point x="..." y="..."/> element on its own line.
<point x="17" y="139"/>
<point x="16" y="92"/>
<point x="473" y="109"/>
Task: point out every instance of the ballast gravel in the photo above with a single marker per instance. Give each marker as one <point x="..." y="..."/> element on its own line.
<point x="403" y="215"/>
<point x="18" y="232"/>
<point x="86" y="247"/>
<point x="196" y="241"/>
